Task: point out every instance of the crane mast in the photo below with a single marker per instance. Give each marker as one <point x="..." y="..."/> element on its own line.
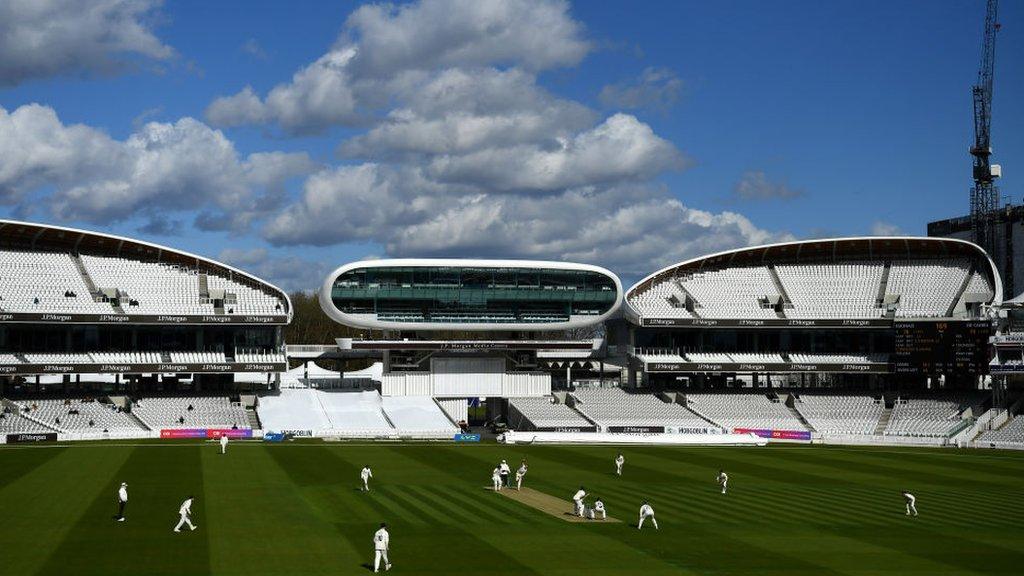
<point x="985" y="200"/>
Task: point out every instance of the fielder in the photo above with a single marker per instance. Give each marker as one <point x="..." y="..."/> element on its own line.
<point x="186" y="515"/>
<point x="619" y="461"/>
<point x="505" y="471"/>
<point x="723" y="480"/>
<point x="577" y="500"/>
<point x="365" y="474"/>
<point x="496" y="479"/>
<point x="520" y="473"/>
<point x="223" y="443"/>
<point x="598" y="510"/>
<point x="381" y="542"/>
<point x="122" y="500"/>
<point x="647" y="512"/>
<point x="911" y="503"/>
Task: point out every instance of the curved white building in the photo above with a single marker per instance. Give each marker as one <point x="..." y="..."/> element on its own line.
<point x="852" y="282"/>
<point x="469" y="294"/>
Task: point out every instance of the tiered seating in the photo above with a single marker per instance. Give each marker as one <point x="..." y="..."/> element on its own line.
<point x="198" y="357"/>
<point x="840" y="414"/>
<point x="926" y="288"/>
<point x="259" y="356"/>
<point x="753" y="358"/>
<point x="846" y="290"/>
<point x="80" y="415"/>
<point x="924" y="417"/>
<point x="206" y="412"/>
<point x="155" y="288"/>
<point x="657" y="302"/>
<point x="1012" y="431"/>
<point x="126" y="357"/>
<point x="755" y="411"/>
<point x="616" y="407"/>
<point x="65" y="358"/>
<point x="44" y="282"/>
<point x="13" y="423"/>
<point x="544" y="413"/>
<point x="659" y="356"/>
<point x="355" y="413"/>
<point x="418" y="414"/>
<point x="709" y="357"/>
<point x="733" y="292"/>
<point x="801" y="358"/>
<point x="9" y="359"/>
<point x="247" y="300"/>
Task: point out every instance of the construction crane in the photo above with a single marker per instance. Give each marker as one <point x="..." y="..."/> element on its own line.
<point x="985" y="199"/>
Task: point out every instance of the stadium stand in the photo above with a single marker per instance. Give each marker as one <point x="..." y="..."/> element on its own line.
<point x="927" y="417"/>
<point x="927" y="288"/>
<point x="733" y="292"/>
<point x="259" y="356"/>
<point x="543" y="413"/>
<point x="1011" y="433"/>
<point x="44" y="282"/>
<point x="198" y="357"/>
<point x="205" y="412"/>
<point x="78" y="415"/>
<point x="419" y="414"/>
<point x="616" y="407"/>
<point x="846" y="290"/>
<point x="801" y="358"/>
<point x="755" y="411"/>
<point x="14" y="423"/>
<point x="848" y="414"/>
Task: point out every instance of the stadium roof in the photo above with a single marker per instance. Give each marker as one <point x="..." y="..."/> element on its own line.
<point x="866" y="247"/>
<point x="45" y="237"/>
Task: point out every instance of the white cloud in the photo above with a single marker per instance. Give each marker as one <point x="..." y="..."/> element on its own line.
<point x="620" y="148"/>
<point x="881" y="228"/>
<point x="385" y="50"/>
<point x="755" y="185"/>
<point x="656" y="88"/>
<point x="43" y="38"/>
<point x="162" y="167"/>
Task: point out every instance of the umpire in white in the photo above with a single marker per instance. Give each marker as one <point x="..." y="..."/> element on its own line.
<point x="122" y="501"/>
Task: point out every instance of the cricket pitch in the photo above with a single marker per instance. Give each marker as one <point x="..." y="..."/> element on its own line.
<point x="548" y="504"/>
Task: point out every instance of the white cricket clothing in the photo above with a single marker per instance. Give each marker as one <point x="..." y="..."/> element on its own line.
<point x="185" y="511"/>
<point x="504" y="468"/>
<point x="223" y="443"/>
<point x="365" y="474"/>
<point x="647" y="512"/>
<point x="577" y="499"/>
<point x="122" y="494"/>
<point x="723" y="481"/>
<point x="381" y="542"/>
<point x="186" y="507"/>
<point x="911" y="503"/>
<point x="598" y="510"/>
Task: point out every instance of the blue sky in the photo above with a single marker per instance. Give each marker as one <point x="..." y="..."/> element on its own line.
<point x="625" y="134"/>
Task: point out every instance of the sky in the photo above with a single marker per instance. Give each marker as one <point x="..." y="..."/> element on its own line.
<point x="290" y="138"/>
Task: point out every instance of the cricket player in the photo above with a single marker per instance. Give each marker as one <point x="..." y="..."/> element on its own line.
<point x="577" y="500"/>
<point x="122" y="501"/>
<point x="520" y="473"/>
<point x="496" y="479"/>
<point x="647" y="512"/>
<point x="619" y="461"/>
<point x="911" y="503"/>
<point x="505" y="471"/>
<point x="223" y="443"/>
<point x="186" y="515"/>
<point x="381" y="542"/>
<point x="723" y="480"/>
<point x="365" y="474"/>
<point x="598" y="510"/>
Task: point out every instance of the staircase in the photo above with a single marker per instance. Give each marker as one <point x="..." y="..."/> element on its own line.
<point x="254" y="419"/>
<point x="796" y="414"/>
<point x="204" y="286"/>
<point x="93" y="290"/>
<point x="960" y="292"/>
<point x="883" y="286"/>
<point x="883" y="421"/>
<point x="142" y="423"/>
<point x="786" y="302"/>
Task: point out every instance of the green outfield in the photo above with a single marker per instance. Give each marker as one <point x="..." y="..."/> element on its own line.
<point x="294" y="509"/>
